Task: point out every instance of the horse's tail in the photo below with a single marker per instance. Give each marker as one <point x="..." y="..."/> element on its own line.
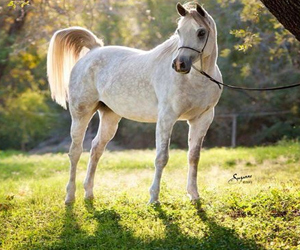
<point x="65" y="49"/>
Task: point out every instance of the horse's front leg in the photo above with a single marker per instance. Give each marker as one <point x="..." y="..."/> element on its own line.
<point x="197" y="132"/>
<point x="164" y="128"/>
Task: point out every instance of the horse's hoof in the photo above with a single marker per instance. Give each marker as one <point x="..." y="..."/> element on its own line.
<point x="89" y="197"/>
<point x="153" y="203"/>
<point x="69" y="201"/>
<point x="195" y="201"/>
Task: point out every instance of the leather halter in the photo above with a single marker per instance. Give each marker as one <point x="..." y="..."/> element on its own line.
<point x="227" y="85"/>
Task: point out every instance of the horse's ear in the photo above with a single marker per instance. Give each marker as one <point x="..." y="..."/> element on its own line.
<point x="181" y="10"/>
<point x="200" y="10"/>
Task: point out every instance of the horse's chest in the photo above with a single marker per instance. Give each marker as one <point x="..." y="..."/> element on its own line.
<point x="192" y="101"/>
<point x="197" y="97"/>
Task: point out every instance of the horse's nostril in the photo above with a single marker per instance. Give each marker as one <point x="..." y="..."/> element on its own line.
<point x="173" y="65"/>
<point x="182" y="65"/>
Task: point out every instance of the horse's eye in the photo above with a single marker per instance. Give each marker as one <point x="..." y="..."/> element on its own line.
<point x="201" y="33"/>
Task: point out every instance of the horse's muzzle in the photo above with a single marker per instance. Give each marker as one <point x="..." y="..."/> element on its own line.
<point x="183" y="67"/>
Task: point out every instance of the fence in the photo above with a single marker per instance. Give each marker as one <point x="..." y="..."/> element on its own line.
<point x="234" y="117"/>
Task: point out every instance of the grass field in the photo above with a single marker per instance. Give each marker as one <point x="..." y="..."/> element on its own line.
<point x="263" y="212"/>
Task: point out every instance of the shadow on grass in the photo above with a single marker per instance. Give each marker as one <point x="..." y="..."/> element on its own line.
<point x="217" y="236"/>
<point x="221" y="237"/>
<point x="111" y="234"/>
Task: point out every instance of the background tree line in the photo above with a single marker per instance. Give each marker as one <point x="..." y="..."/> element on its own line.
<point x="254" y="50"/>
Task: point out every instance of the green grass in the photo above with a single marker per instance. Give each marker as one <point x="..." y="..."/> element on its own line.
<point x="264" y="214"/>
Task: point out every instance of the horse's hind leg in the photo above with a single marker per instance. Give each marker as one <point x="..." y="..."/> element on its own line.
<point x="80" y="121"/>
<point x="107" y="128"/>
<point x="197" y="132"/>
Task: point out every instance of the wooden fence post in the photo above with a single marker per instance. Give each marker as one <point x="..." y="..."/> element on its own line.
<point x="233" y="130"/>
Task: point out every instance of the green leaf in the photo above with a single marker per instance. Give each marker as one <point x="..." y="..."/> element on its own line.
<point x="12" y="4"/>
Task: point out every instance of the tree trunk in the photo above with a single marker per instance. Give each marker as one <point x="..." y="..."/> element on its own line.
<point x="287" y="13"/>
<point x="12" y="33"/>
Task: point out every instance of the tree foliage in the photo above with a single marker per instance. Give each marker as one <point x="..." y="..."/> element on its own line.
<point x="254" y="50"/>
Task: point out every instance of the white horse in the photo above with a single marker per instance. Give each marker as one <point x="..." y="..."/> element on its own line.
<point x="160" y="86"/>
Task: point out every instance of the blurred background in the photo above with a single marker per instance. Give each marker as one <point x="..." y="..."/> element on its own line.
<point x="254" y="51"/>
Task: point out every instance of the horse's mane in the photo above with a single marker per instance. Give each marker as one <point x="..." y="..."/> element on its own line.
<point x="168" y="47"/>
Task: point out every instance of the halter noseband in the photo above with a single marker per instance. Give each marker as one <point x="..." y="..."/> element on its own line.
<point x="186" y="47"/>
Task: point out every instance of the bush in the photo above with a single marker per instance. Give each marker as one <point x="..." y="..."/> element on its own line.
<point x="24" y="120"/>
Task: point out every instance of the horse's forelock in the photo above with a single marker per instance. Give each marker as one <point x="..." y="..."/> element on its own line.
<point x="200" y="19"/>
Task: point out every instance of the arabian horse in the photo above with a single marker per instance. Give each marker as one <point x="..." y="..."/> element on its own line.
<point x="159" y="86"/>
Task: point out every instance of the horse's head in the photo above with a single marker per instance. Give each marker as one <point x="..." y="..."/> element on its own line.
<point x="197" y="36"/>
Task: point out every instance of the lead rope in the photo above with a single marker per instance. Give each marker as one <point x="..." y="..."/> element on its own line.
<point x="242" y="88"/>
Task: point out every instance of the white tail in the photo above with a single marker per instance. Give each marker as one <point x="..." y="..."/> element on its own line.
<point x="65" y="49"/>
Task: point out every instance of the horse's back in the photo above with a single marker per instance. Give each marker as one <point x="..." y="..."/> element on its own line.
<point x="120" y="77"/>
